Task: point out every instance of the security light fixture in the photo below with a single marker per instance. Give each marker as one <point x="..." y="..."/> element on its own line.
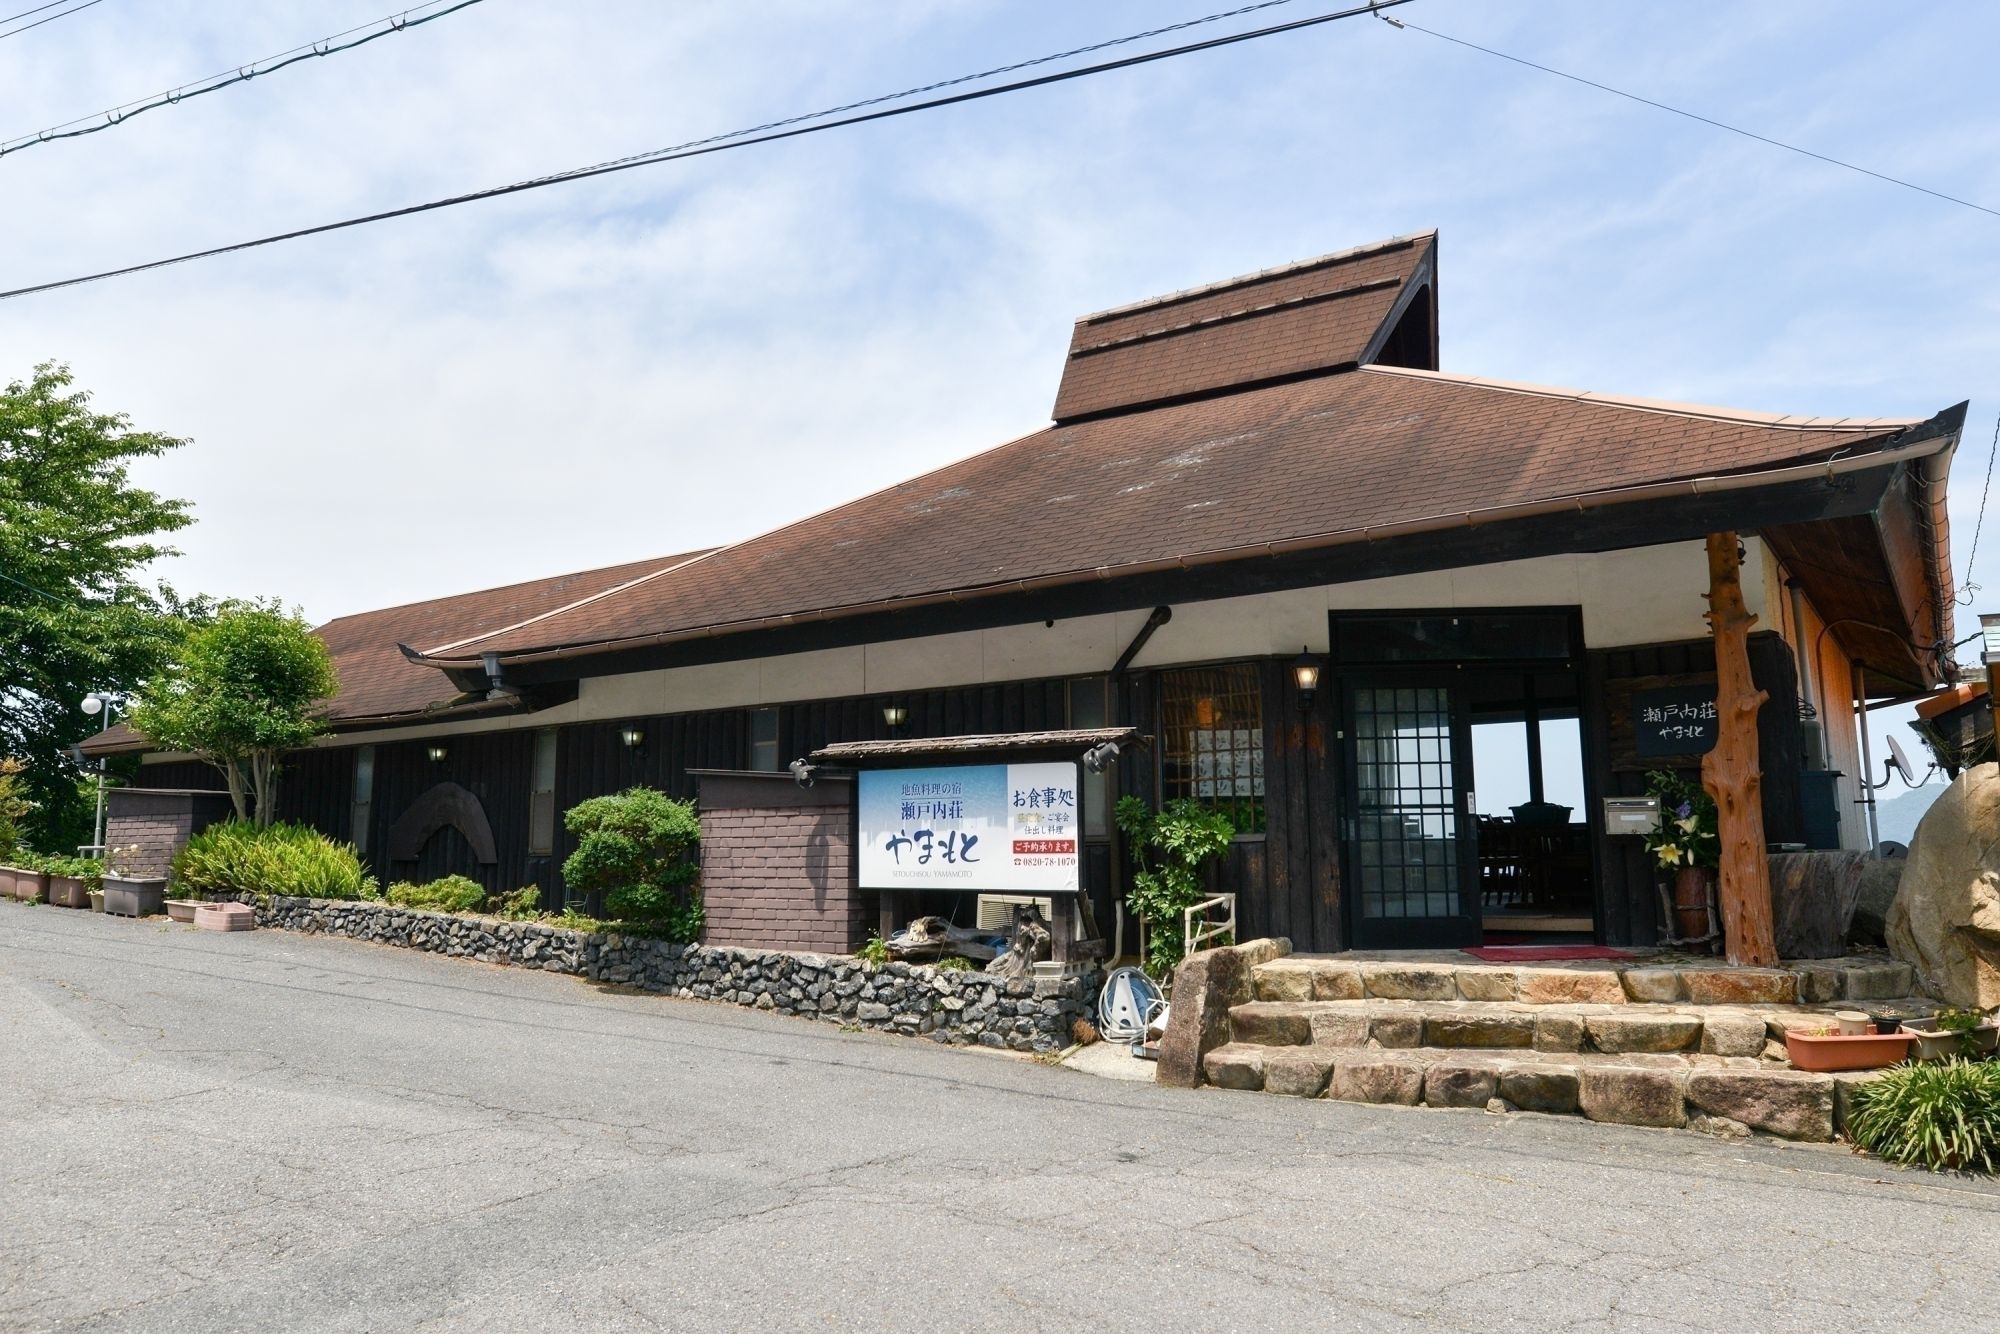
<point x="633" y="737"/>
<point x="1099" y="757"/>
<point x="1305" y="675"/>
<point x="893" y="715"/>
<point x="802" y="773"/>
<point x="436" y="753"/>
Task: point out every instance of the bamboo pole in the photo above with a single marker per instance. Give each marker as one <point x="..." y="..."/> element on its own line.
<point x="1731" y="771"/>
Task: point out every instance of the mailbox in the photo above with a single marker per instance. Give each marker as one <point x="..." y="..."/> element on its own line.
<point x="1631" y="815"/>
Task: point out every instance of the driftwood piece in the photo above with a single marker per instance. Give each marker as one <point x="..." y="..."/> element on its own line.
<point x="1813" y="895"/>
<point x="928" y="938"/>
<point x="1731" y="771"/>
<point x="1031" y="941"/>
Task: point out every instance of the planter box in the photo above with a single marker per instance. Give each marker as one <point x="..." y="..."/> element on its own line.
<point x="182" y="910"/>
<point x="225" y="917"/>
<point x="1839" y="1051"/>
<point x="68" y="892"/>
<point x="134" y="898"/>
<point x="1937" y="1044"/>
<point x="27" y="886"/>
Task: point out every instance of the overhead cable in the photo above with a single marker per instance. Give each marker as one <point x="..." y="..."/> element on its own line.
<point x="16" y="32"/>
<point x="793" y="127"/>
<point x="1694" y="116"/>
<point x="112" y="117"/>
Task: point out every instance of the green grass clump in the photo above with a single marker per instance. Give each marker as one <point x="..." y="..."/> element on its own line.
<point x="290" y="859"/>
<point x="1944" y="1116"/>
<point x="453" y="893"/>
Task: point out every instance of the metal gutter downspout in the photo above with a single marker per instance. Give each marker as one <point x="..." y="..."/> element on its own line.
<point x="1579" y="503"/>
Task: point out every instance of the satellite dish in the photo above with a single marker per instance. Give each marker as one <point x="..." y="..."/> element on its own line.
<point x="1901" y="762"/>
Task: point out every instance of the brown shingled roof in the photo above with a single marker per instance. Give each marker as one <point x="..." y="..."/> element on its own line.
<point x="377" y="680"/>
<point x="1316" y="315"/>
<point x="1363" y="450"/>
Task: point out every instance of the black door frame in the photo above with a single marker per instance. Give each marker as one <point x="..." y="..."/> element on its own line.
<point x="1345" y="673"/>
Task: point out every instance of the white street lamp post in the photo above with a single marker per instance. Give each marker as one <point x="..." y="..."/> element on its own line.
<point x="107" y="703"/>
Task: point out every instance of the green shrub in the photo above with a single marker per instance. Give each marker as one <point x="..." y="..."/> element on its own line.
<point x="634" y="854"/>
<point x="1169" y="849"/>
<point x="286" y="859"/>
<point x="874" y="952"/>
<point x="1944" y="1116"/>
<point x="453" y="893"/>
<point x="90" y="870"/>
<point x="954" y="963"/>
<point x="524" y="904"/>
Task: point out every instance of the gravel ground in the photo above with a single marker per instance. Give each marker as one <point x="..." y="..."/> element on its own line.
<point x="272" y="1131"/>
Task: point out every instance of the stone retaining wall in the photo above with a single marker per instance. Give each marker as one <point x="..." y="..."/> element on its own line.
<point x="1030" y="1015"/>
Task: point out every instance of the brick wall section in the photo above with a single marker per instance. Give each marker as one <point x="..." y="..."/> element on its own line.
<point x="145" y="827"/>
<point x="780" y="878"/>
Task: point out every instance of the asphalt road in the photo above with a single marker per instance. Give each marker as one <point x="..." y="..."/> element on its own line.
<point x="271" y="1131"/>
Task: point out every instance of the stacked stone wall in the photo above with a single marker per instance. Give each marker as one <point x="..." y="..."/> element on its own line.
<point x="959" y="1007"/>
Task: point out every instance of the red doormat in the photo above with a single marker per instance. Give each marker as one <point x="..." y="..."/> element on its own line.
<point x="1544" y="953"/>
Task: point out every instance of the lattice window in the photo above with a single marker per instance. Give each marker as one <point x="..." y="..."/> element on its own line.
<point x="1212" y="741"/>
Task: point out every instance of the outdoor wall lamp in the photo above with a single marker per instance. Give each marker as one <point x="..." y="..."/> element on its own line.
<point x="437" y="754"/>
<point x="1305" y="675"/>
<point x="633" y="737"/>
<point x="893" y="715"/>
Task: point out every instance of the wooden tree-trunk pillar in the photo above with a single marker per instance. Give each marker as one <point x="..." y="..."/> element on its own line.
<point x="1731" y="772"/>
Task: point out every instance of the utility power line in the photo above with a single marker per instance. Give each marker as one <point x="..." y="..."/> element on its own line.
<point x="112" y="117"/>
<point x="36" y="10"/>
<point x="788" y="128"/>
<point x="1692" y="115"/>
<point x="16" y="32"/>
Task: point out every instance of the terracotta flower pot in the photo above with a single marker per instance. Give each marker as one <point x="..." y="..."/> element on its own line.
<point x="1839" y="1051"/>
<point x="28" y="886"/>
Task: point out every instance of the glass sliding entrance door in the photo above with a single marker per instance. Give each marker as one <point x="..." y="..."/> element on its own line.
<point x="1410" y="857"/>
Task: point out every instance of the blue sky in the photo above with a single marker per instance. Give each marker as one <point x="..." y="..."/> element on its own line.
<point x="690" y="353"/>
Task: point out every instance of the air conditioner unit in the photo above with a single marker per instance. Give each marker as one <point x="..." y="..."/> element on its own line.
<point x="996" y="911"/>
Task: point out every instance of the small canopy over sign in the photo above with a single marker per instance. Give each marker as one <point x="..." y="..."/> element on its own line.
<point x="1069" y="742"/>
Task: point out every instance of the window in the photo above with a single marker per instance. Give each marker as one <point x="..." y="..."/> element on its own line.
<point x="764" y="740"/>
<point x="1212" y="741"/>
<point x="542" y="796"/>
<point x="364" y="795"/>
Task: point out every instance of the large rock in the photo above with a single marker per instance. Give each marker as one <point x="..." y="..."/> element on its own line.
<point x="1643" y="1031"/>
<point x="1945" y="921"/>
<point x="1298" y="1072"/>
<point x="1378" y="1077"/>
<point x="1540" y="1088"/>
<point x="1206" y="985"/>
<point x="1461" y="1083"/>
<point x="1570" y="986"/>
<point x="1633" y="1096"/>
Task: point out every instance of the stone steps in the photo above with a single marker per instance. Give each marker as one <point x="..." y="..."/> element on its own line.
<point x="1719" y="1094"/>
<point x="1346" y="978"/>
<point x="1716" y="1030"/>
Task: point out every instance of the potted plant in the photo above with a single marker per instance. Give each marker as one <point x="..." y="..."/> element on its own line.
<point x="25" y="877"/>
<point x="128" y="897"/>
<point x="71" y="880"/>
<point x="1827" y="1049"/>
<point x="1685" y="845"/>
<point x="1953" y="1032"/>
<point x="97" y="898"/>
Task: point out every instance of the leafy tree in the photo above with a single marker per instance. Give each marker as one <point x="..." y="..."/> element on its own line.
<point x="243" y="688"/>
<point x="14" y="807"/>
<point x="1169" y="849"/>
<point x="634" y="852"/>
<point x="74" y="617"/>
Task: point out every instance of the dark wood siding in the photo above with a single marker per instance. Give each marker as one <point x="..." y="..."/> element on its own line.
<point x="496" y="768"/>
<point x="1628" y="904"/>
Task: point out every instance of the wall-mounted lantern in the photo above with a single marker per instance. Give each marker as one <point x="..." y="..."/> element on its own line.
<point x="1305" y="678"/>
<point x="893" y="715"/>
<point x="633" y="737"/>
<point x="437" y="754"/>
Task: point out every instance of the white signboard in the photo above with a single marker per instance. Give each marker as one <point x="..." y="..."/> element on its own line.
<point x="997" y="828"/>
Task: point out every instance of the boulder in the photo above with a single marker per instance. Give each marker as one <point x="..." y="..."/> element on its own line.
<point x="1945" y="921"/>
<point x="1206" y="984"/>
<point x="1558" y="1032"/>
<point x="1409" y="981"/>
<point x="1726" y="1034"/>
<point x="1397" y="1029"/>
<point x="1479" y="1028"/>
<point x="1653" y="984"/>
<point x="1740" y="986"/>
<point x="1235" y="1067"/>
<point x="1339" y="1028"/>
<point x="1788" y="1103"/>
<point x="1284" y="980"/>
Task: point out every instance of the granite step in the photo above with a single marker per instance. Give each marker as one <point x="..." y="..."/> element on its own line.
<point x="1597" y="982"/>
<point x="1719" y="1030"/>
<point x="1720" y="1094"/>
